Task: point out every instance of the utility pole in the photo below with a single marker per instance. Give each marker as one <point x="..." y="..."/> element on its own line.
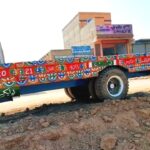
<point x="2" y="59"/>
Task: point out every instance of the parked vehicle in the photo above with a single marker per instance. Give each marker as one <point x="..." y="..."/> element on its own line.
<point x="98" y="69"/>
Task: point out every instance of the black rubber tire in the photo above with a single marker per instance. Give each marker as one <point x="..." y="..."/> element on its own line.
<point x="92" y="91"/>
<point x="68" y="93"/>
<point x="101" y="84"/>
<point x="80" y="93"/>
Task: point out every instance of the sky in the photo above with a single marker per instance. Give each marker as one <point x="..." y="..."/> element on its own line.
<point x="30" y="28"/>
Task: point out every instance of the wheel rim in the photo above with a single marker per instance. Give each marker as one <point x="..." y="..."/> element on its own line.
<point x="115" y="86"/>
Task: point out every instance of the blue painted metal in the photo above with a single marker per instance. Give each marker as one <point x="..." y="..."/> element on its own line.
<point x="52" y="86"/>
<point x="6" y="99"/>
<point x="138" y="74"/>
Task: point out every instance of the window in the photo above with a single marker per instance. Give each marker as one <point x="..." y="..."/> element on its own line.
<point x="121" y="49"/>
<point x="108" y="51"/>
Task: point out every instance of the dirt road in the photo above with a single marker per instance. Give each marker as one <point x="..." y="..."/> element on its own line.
<point x="111" y="125"/>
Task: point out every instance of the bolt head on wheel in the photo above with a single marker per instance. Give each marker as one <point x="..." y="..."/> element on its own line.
<point x="115" y="86"/>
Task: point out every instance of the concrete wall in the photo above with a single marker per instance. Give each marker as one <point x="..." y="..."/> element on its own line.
<point x="51" y="54"/>
<point x="71" y="33"/>
<point x="76" y="33"/>
<point x="88" y="34"/>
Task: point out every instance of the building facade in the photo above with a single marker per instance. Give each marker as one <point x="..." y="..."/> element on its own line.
<point x="141" y="46"/>
<point x="96" y="30"/>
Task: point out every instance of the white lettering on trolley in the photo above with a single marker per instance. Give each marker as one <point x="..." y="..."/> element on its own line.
<point x="3" y="73"/>
<point x="28" y="71"/>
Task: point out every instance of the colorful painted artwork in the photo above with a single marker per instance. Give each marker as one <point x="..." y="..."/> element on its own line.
<point x="114" y="29"/>
<point x="9" y="92"/>
<point x="15" y="75"/>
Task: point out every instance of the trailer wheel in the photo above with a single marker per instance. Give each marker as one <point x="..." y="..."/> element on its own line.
<point x="92" y="91"/>
<point x="68" y="93"/>
<point x="112" y="83"/>
<point x="80" y="93"/>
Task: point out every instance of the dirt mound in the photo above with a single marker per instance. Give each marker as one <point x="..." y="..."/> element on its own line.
<point x="112" y="125"/>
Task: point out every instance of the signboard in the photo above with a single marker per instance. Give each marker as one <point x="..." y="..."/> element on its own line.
<point x="81" y="50"/>
<point x="115" y="29"/>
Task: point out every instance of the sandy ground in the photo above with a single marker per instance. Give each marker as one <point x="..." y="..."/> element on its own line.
<point x="111" y="125"/>
<point x="58" y="96"/>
